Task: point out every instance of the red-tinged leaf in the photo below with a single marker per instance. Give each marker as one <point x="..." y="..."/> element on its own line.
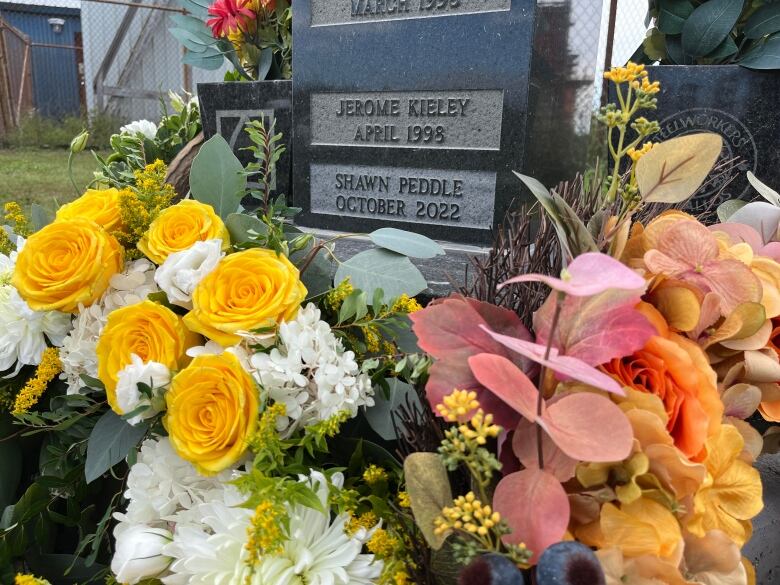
<point x="589" y="427"/>
<point x="536" y="508"/>
<point x="451" y="327"/>
<point x="507" y="381"/>
<point x="524" y="445"/>
<point x="449" y="330"/>
<point x="566" y="366"/>
<point x="595" y="329"/>
<point x="587" y="275"/>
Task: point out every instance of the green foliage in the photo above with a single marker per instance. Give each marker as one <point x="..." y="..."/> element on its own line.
<point x="263" y="52"/>
<point x="217" y="177"/>
<point x="712" y="32"/>
<point x="132" y="153"/>
<point x="58" y="514"/>
<point x="36" y="130"/>
<point x="110" y="442"/>
<point x="378" y="268"/>
<point x="406" y="243"/>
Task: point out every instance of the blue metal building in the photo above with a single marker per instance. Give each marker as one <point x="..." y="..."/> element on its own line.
<point x="56" y="55"/>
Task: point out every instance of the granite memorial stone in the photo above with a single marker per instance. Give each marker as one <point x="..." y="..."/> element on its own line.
<point x="227" y="107"/>
<point x="737" y="103"/>
<point x="410" y="113"/>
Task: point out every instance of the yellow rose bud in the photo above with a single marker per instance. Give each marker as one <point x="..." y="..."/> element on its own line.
<point x="67" y="263"/>
<point x="178" y="227"/>
<point x="146" y="329"/>
<point x="212" y="411"/>
<point x="249" y="290"/>
<point x="99" y="205"/>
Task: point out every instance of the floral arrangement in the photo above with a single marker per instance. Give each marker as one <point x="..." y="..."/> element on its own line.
<point x="255" y="36"/>
<point x="712" y="32"/>
<point x="202" y="400"/>
<point x="185" y="384"/>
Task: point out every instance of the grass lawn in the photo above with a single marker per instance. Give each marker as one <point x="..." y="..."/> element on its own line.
<point x="41" y="175"/>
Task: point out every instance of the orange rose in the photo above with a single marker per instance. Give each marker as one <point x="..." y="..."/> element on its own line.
<point x="676" y="370"/>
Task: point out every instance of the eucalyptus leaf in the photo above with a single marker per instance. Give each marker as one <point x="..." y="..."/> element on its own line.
<point x="191" y="24"/>
<point x="726" y="49"/>
<point x="675" y="52"/>
<point x="764" y="56"/>
<point x="317" y="277"/>
<point x="406" y="243"/>
<point x="109" y="443"/>
<point x="379" y="268"/>
<point x="192" y="41"/>
<point x="264" y="63"/>
<point x="209" y="62"/>
<point x="674" y="170"/>
<point x="709" y="24"/>
<point x="428" y="486"/>
<point x="240" y="224"/>
<point x="380" y="416"/>
<point x="729" y="208"/>
<point x="764" y="190"/>
<point x="40" y="217"/>
<point x="672" y="15"/>
<point x="764" y="21"/>
<point x="216" y="177"/>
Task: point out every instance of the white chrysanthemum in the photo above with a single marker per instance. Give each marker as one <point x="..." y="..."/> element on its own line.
<point x="145" y="128"/>
<point x="182" y="271"/>
<point x="78" y="355"/>
<point x="24" y="332"/>
<point x="318" y="552"/>
<point x="310" y="373"/>
<point x="162" y="487"/>
<point x="128" y="397"/>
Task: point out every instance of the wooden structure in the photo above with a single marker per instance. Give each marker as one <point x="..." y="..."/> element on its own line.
<point x="16" y="86"/>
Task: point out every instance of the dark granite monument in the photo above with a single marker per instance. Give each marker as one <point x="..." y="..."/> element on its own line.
<point x="410" y="113"/>
<point x="227" y="107"/>
<point x="737" y="103"/>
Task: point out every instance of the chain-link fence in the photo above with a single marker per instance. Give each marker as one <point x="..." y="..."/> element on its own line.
<point x="91" y="56"/>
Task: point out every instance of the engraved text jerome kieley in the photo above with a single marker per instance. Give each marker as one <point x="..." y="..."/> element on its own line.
<point x="414" y="119"/>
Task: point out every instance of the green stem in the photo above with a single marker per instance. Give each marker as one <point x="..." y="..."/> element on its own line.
<point x="559" y="298"/>
<point x="70" y="174"/>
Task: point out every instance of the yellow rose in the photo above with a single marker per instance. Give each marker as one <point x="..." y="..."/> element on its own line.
<point x="146" y="329"/>
<point x="178" y="227"/>
<point x="67" y="263"/>
<point x="212" y="411"/>
<point x="248" y="290"/>
<point x="101" y="206"/>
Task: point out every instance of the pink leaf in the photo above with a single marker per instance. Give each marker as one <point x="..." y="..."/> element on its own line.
<point x="565" y="365"/>
<point x="536" y="508"/>
<point x="596" y="329"/>
<point x="524" y="445"/>
<point x="589" y="427"/>
<point x="507" y="381"/>
<point x="588" y="274"/>
<point x="449" y="330"/>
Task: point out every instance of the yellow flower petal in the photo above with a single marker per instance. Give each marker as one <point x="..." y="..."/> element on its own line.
<point x="643" y="527"/>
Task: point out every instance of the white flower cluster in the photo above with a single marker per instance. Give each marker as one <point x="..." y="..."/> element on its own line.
<point x="24" y="331"/>
<point x="128" y="396"/>
<point x="310" y="373"/>
<point x="182" y="271"/>
<point x="186" y="529"/>
<point x="78" y="351"/>
<point x="141" y="128"/>
<point x="318" y="550"/>
<point x="163" y="490"/>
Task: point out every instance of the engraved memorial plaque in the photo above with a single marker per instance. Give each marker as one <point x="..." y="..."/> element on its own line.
<point x="410" y="113"/>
